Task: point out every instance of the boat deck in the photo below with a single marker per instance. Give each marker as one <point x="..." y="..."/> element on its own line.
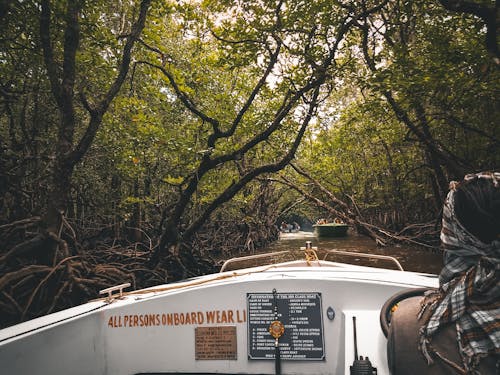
<point x="219" y="324"/>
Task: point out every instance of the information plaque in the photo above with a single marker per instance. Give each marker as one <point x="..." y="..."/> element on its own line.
<point x="301" y="315"/>
<point x="215" y="343"/>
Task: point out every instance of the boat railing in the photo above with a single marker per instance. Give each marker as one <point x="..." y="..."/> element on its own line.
<point x="226" y="265"/>
<point x="364" y="255"/>
<point x="230" y="261"/>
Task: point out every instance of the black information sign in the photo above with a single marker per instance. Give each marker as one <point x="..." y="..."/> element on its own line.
<point x="299" y="312"/>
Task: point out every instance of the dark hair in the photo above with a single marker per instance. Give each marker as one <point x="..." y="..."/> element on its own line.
<point x="477" y="206"/>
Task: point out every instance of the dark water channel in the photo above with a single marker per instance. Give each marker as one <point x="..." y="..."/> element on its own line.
<point x="412" y="259"/>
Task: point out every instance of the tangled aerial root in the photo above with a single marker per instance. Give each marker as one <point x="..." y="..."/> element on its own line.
<point x="31" y="290"/>
<point x="32" y="285"/>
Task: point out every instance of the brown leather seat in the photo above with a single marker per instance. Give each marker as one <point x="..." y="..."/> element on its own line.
<point x="403" y="354"/>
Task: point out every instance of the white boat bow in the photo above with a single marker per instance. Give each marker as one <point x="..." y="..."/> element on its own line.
<point x="219" y="324"/>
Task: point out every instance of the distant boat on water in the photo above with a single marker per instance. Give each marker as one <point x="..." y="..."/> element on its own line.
<point x="335" y="229"/>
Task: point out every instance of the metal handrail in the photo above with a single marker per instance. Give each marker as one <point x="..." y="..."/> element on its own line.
<point x="365" y="255"/>
<point x="328" y="252"/>
<point x="255" y="256"/>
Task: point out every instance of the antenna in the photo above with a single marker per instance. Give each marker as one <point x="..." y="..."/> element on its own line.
<point x="355" y="338"/>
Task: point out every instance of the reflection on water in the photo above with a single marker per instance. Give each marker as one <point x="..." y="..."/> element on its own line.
<point x="412" y="259"/>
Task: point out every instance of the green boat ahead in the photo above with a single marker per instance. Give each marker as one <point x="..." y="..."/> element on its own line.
<point x="331" y="230"/>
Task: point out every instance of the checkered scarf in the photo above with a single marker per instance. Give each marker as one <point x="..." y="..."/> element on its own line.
<point x="469" y="293"/>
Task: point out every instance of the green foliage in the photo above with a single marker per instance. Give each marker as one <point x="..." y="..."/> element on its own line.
<point x="439" y="63"/>
<point x="435" y="66"/>
<point x="150" y="145"/>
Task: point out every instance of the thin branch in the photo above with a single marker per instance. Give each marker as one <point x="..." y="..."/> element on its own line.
<point x="272" y="62"/>
<point x="48" y="52"/>
<point x="97" y="112"/>
<point x="183" y="97"/>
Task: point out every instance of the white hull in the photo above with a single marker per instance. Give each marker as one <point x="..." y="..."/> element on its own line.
<point x="164" y="329"/>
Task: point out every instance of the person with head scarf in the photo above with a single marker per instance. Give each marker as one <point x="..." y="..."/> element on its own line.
<point x="469" y="284"/>
<point x="455" y="329"/>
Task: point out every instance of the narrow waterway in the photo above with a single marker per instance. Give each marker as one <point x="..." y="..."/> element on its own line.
<point x="412" y="259"/>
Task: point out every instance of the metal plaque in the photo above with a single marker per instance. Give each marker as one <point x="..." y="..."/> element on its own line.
<point x="215" y="342"/>
<point x="301" y="314"/>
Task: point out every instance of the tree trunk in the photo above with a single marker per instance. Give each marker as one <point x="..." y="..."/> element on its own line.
<point x="62" y="84"/>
